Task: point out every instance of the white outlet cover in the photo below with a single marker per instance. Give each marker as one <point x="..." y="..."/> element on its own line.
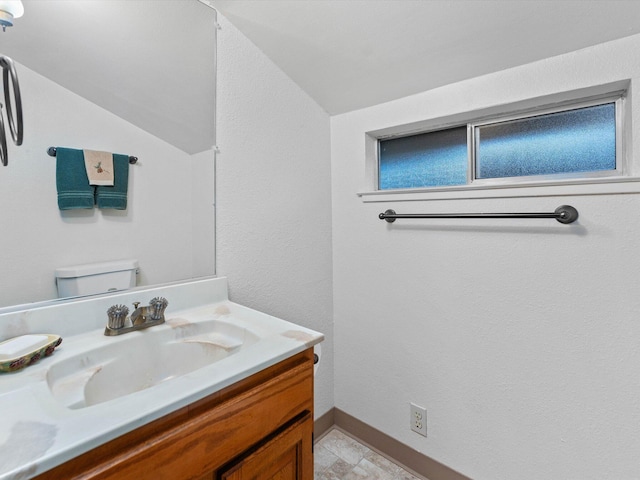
<point x="418" y="419"/>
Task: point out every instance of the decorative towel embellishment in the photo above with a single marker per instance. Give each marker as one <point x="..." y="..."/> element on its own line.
<point x="99" y="167"/>
<point x="73" y="186"/>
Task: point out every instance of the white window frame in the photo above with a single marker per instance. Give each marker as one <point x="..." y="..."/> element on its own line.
<point x="617" y="172"/>
<point x="620" y="180"/>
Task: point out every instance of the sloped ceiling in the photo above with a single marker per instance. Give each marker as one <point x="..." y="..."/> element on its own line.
<point x="151" y="62"/>
<point x="349" y="54"/>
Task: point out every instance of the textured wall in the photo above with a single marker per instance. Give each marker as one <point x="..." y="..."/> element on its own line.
<point x="520" y="337"/>
<point x="274" y="195"/>
<point x="37" y="237"/>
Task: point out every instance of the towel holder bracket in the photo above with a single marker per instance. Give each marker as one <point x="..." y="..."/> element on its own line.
<point x="52" y="151"/>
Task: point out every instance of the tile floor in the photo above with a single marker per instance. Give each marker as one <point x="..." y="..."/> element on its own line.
<point x="339" y="457"/>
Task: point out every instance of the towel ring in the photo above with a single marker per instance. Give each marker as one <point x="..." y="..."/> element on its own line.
<point x="15" y="123"/>
<point x="3" y="141"/>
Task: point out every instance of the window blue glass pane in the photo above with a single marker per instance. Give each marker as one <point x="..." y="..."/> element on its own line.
<point x="430" y="159"/>
<point x="580" y="140"/>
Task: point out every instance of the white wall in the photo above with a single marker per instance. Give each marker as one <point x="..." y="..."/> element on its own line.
<point x="274" y="195"/>
<point x="37" y="237"/>
<point x="520" y="337"/>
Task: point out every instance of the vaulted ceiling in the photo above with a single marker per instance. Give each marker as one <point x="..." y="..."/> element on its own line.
<point x="346" y="54"/>
<point x="150" y="62"/>
<point x="349" y="54"/>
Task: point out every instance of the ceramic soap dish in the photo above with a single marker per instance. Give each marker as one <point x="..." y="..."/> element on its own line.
<point x="19" y="352"/>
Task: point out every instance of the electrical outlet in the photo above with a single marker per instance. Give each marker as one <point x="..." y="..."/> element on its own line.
<point x="418" y="419"/>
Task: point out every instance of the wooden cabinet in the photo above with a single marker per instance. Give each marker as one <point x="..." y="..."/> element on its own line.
<point x="259" y="428"/>
<point x="283" y="457"/>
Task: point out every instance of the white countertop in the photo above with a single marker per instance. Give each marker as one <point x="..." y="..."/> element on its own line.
<point x="38" y="432"/>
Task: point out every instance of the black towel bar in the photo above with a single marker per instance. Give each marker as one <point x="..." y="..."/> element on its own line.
<point x="563" y="214"/>
<point x="53" y="150"/>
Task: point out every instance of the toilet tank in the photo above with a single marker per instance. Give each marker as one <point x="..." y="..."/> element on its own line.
<point x="93" y="278"/>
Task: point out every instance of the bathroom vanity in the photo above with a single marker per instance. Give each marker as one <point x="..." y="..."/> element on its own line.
<point x="262" y="424"/>
<point x="228" y="394"/>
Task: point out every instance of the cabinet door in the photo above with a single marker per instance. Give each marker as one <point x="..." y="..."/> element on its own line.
<point x="287" y="456"/>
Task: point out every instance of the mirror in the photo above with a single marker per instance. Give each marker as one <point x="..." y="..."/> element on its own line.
<point x="135" y="77"/>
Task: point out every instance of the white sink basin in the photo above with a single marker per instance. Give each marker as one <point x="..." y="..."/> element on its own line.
<point x="139" y="360"/>
<point x="95" y="388"/>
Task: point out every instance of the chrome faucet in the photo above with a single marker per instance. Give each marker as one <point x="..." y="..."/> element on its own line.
<point x="142" y="317"/>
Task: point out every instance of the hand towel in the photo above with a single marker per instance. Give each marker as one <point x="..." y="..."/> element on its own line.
<point x="115" y="196"/>
<point x="99" y="166"/>
<point x="72" y="183"/>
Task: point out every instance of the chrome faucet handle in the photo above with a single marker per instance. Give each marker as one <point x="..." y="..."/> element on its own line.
<point x="117" y="315"/>
<point x="157" y="306"/>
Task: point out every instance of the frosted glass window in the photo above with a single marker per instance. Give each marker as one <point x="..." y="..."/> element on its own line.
<point x="579" y="140"/>
<point x="432" y="159"/>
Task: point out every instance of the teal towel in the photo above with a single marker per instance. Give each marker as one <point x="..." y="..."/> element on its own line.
<point x="72" y="182"/>
<point x="115" y="196"/>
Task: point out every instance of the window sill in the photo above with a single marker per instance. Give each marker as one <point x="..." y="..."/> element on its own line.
<point x="610" y="186"/>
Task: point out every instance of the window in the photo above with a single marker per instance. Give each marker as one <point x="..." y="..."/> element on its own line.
<point x="577" y="141"/>
<point x="431" y="159"/>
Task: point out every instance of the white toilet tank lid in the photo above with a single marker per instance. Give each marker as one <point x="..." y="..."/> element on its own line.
<point x="96" y="268"/>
